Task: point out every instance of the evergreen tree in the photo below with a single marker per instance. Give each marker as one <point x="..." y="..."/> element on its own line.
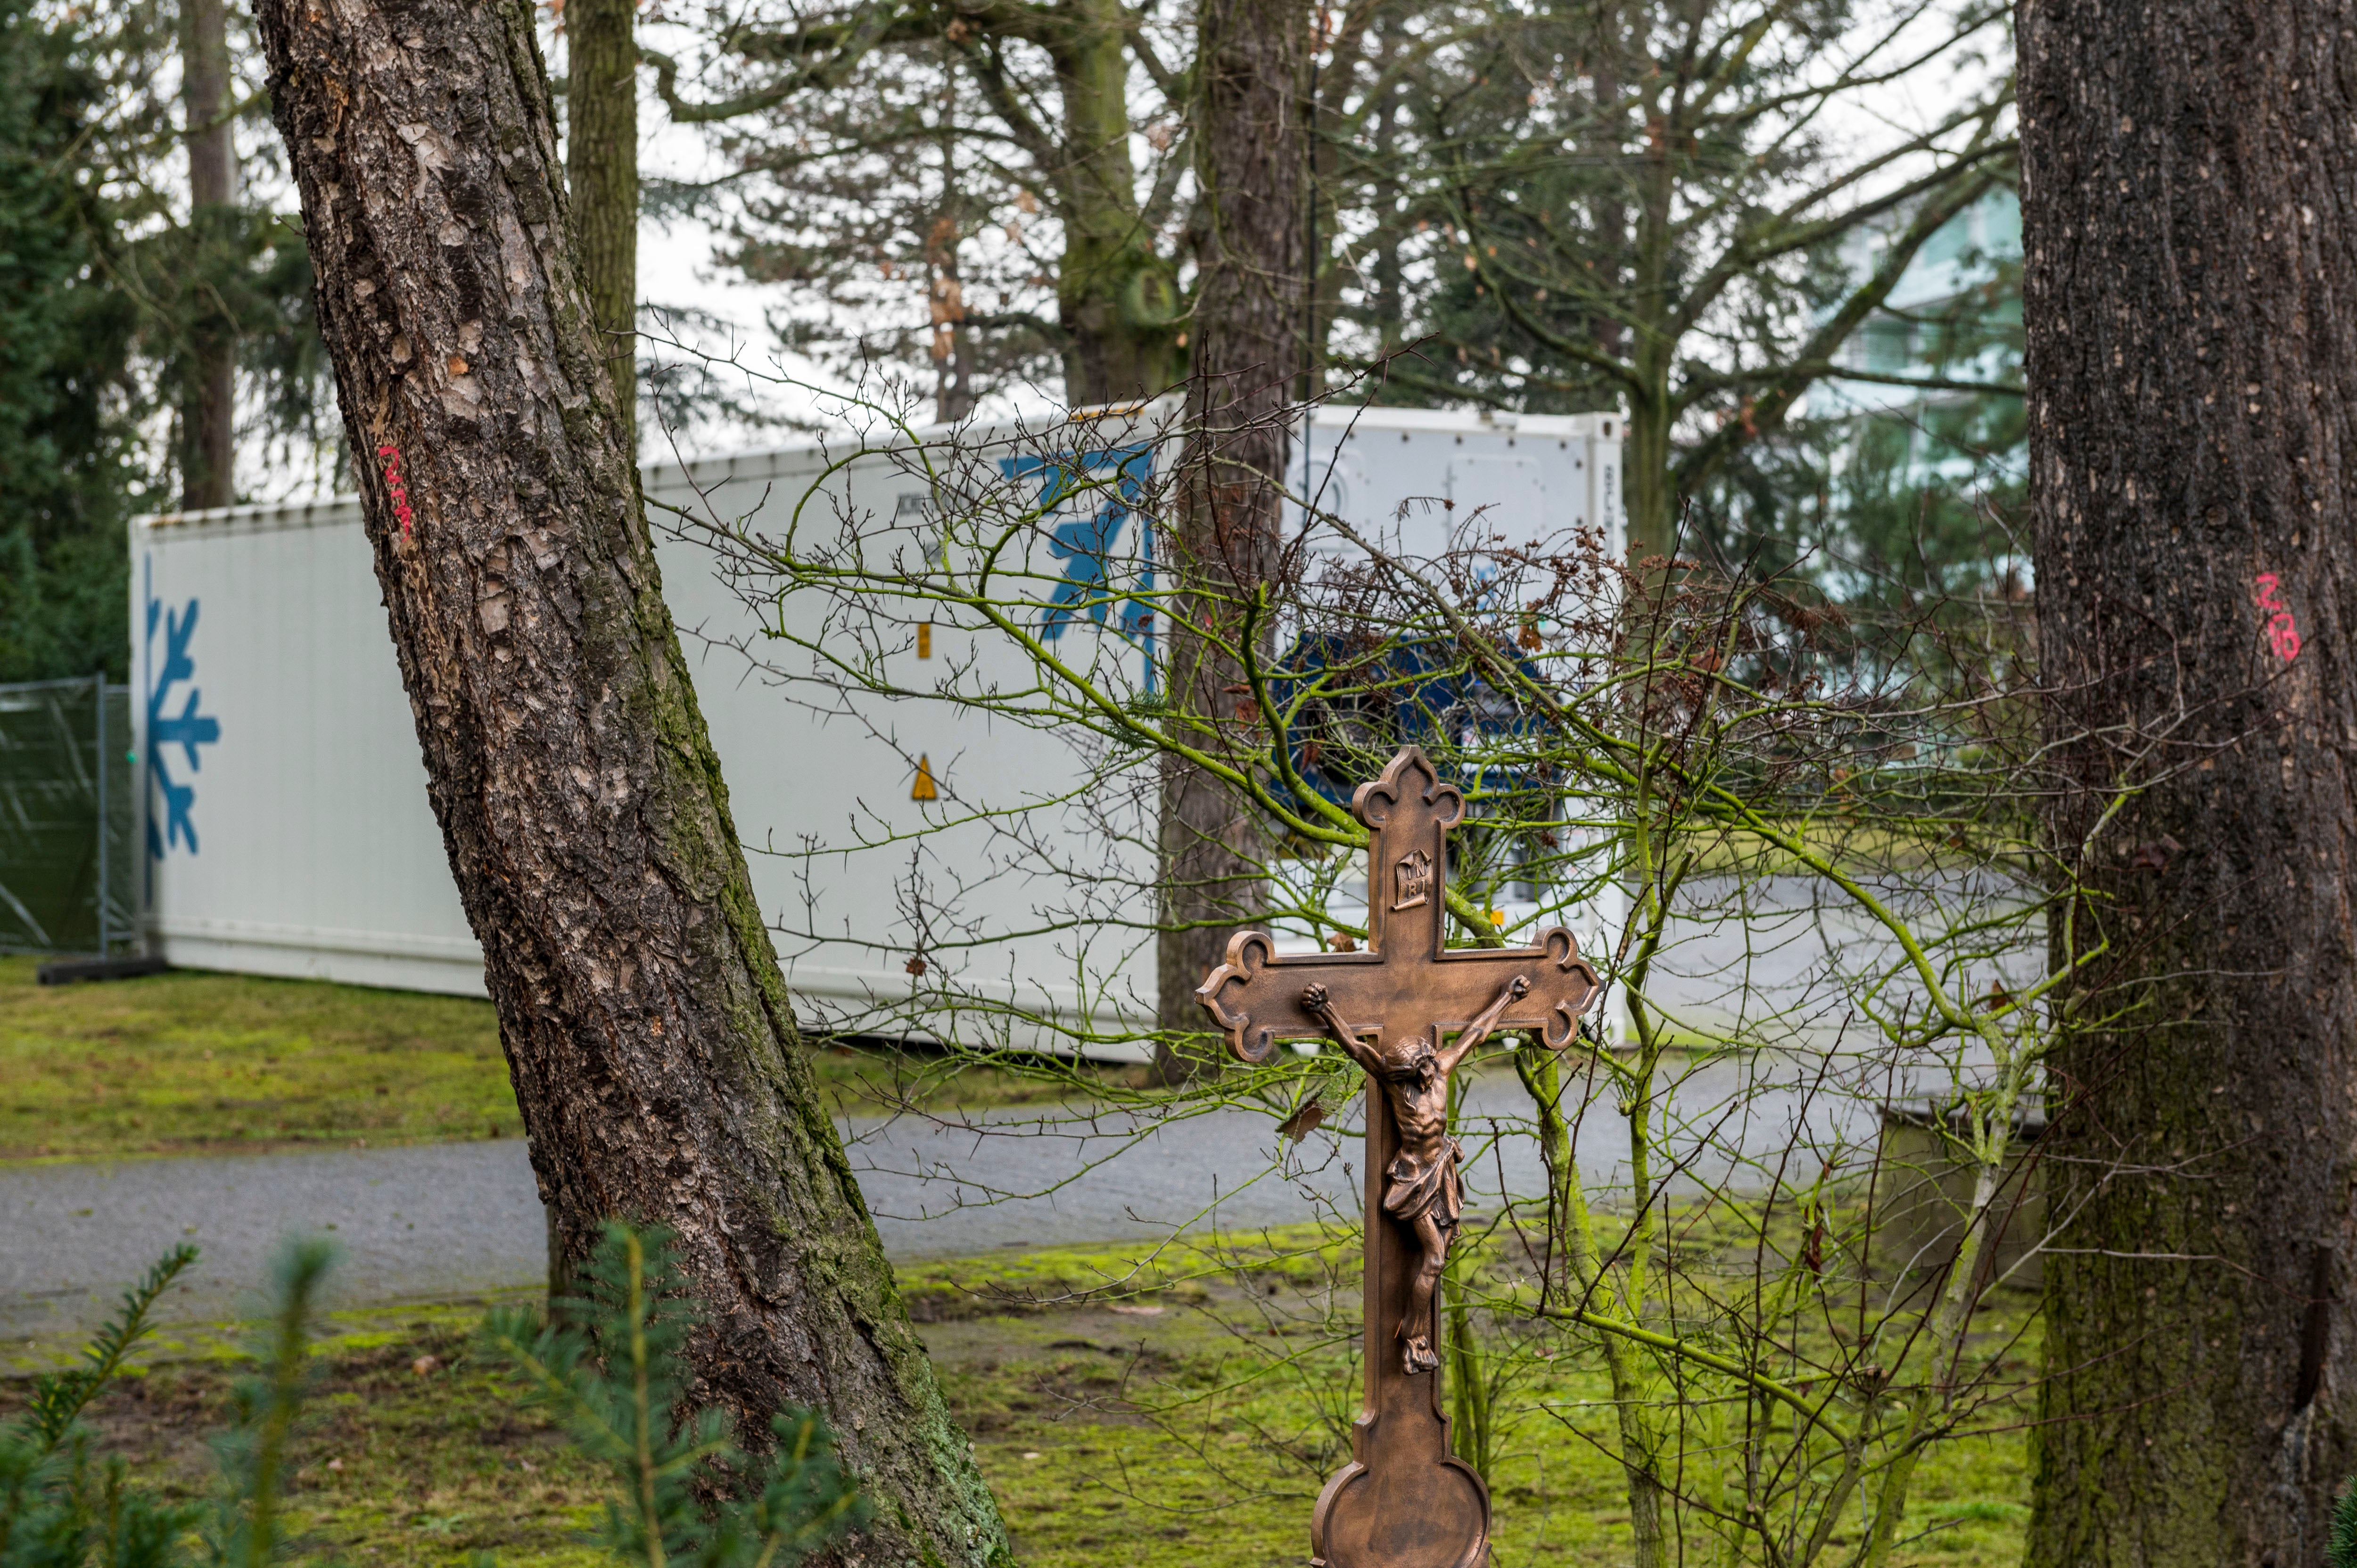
<point x="958" y="187"/>
<point x="117" y="300"/>
<point x="71" y="468"/>
<point x="1612" y="205"/>
<point x="1891" y="501"/>
<point x="221" y="283"/>
<point x="614" y="1383"/>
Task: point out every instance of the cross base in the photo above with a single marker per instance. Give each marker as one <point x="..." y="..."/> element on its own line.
<point x="1405" y="1500"/>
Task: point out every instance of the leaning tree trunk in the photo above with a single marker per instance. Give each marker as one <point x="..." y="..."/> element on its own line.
<point x="2190" y="295"/>
<point x="602" y="187"/>
<point x="601" y="172"/>
<point x="1249" y="324"/>
<point x="208" y="408"/>
<point x="645" y="1022"/>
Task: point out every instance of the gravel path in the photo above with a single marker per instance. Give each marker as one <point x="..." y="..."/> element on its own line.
<point x="453" y="1218"/>
<point x="457" y="1219"/>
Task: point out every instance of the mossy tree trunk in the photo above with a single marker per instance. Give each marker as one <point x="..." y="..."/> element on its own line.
<point x="208" y="401"/>
<point x="601" y="176"/>
<point x="1116" y="297"/>
<point x="1251" y="295"/>
<point x="646" y="1029"/>
<point x="2191" y="267"/>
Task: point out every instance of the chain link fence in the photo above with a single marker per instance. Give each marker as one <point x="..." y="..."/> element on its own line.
<point x="67" y="860"/>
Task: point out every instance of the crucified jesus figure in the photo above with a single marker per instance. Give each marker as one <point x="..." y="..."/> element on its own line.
<point x="1420" y="1188"/>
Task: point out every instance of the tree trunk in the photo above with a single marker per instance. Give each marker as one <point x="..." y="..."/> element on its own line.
<point x="1648" y="489"/>
<point x="2192" y="363"/>
<point x="601" y="176"/>
<point x="952" y="345"/>
<point x="207" y="412"/>
<point x="1389" y="273"/>
<point x="1250" y="296"/>
<point x="1324" y="105"/>
<point x="1116" y="299"/>
<point x="646" y="1026"/>
<point x="1611" y="216"/>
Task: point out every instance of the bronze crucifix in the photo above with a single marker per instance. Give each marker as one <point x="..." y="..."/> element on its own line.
<point x="1407" y="1011"/>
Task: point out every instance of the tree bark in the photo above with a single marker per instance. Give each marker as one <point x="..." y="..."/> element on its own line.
<point x="2190" y="295"/>
<point x="1611" y="218"/>
<point x="646" y="1026"/>
<point x="1390" y="311"/>
<point x="952" y="345"/>
<point x="602" y="176"/>
<point x="1326" y="101"/>
<point x="207" y="412"/>
<point x="1250" y="293"/>
<point x="1116" y="299"/>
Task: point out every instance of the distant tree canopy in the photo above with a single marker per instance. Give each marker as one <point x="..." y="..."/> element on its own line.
<point x="1588" y="205"/>
<point x="112" y="295"/>
<point x="69" y="448"/>
<point x="996" y="192"/>
<point x="1537" y="210"/>
<point x="1910" y="496"/>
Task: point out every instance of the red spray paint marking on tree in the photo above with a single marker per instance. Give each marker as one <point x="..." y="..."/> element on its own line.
<point x="2283" y="631"/>
<point x="392" y="482"/>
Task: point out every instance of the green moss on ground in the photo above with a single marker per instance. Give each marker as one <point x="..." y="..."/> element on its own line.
<point x="1185" y="1409"/>
<point x="1178" y="1408"/>
<point x="191" y="1062"/>
<point x="1149" y="1427"/>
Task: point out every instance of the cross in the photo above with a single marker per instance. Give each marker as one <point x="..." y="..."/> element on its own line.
<point x="1404" y="1501"/>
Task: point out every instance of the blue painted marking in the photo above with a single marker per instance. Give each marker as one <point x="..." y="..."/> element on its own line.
<point x="1086" y="544"/>
<point x="187" y="729"/>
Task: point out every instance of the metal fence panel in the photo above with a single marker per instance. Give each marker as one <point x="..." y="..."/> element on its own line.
<point x="67" y="866"/>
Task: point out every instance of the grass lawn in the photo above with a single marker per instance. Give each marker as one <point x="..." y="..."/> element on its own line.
<point x="1189" y="1423"/>
<point x="1131" y="1435"/>
<point x="192" y="1062"/>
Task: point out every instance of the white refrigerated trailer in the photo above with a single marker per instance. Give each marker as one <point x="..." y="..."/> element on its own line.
<point x="285" y="814"/>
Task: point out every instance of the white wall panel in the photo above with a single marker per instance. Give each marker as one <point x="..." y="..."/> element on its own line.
<point x="315" y="852"/>
<point x="309" y="848"/>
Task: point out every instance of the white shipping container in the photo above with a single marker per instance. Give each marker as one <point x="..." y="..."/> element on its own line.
<point x="285" y="817"/>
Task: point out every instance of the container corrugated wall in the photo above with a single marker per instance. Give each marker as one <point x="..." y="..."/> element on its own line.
<point x="283" y="801"/>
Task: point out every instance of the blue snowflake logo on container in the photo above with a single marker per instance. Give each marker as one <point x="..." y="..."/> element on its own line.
<point x="187" y="729"/>
<point x="1086" y="542"/>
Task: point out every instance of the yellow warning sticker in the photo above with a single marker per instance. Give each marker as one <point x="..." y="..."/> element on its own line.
<point x="925" y="788"/>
